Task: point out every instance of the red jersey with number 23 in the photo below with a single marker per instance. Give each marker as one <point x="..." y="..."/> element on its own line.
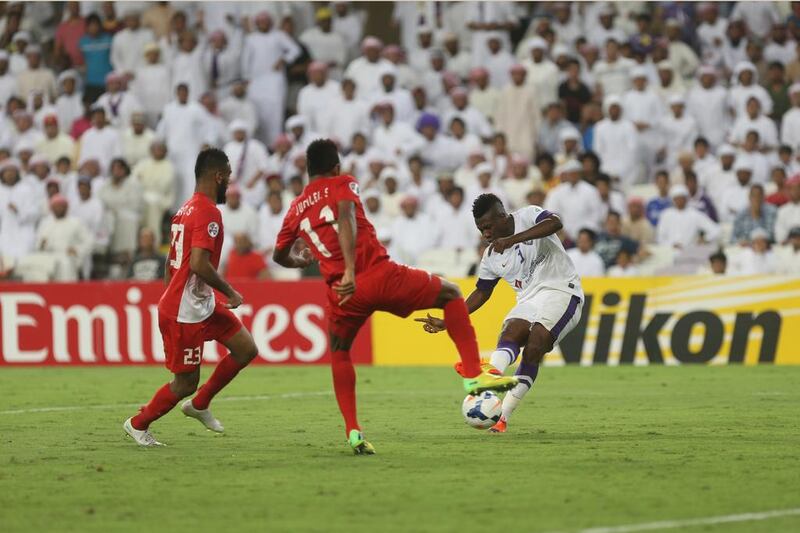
<point x="197" y="224"/>
<point x="313" y="217"/>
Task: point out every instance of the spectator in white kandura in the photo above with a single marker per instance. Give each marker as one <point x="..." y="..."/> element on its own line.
<point x="215" y="128"/>
<point x="419" y="183"/>
<point x="789" y="259"/>
<point x="152" y="84"/>
<point x="121" y="195"/>
<point x="616" y="142"/>
<point x="468" y="143"/>
<point x="136" y="139"/>
<point x="236" y="105"/>
<point x="118" y="103"/>
<point x="669" y="84"/>
<point x="156" y="175"/>
<point x="484" y="184"/>
<point x="779" y="48"/>
<point x="679" y="130"/>
<point x="391" y="198"/>
<point x="751" y="152"/>
<point x="297" y="129"/>
<point x="788" y="216"/>
<point x="708" y="103"/>
<point x="147" y="264"/>
<point x="410" y="233"/>
<point x="390" y="91"/>
<point x="419" y="58"/>
<point x="754" y="120"/>
<point x="324" y="44"/>
<point x="36" y="77"/>
<point x="90" y="210"/>
<point x="681" y="226"/>
<point x="612" y="73"/>
<point x="680" y="54"/>
<point x="222" y="62"/>
<point x="745" y="85"/>
<point x="349" y="23"/>
<point x="128" y="45"/>
<point x="454" y="223"/>
<point x="760" y="16"/>
<point x="18" y="62"/>
<point x="249" y="163"/>
<point x="635" y="225"/>
<point x="439" y="152"/>
<point x="498" y="61"/>
<point x="542" y="73"/>
<point x="611" y="199"/>
<point x="522" y="181"/>
<point x="483" y="96"/>
<point x="365" y="70"/>
<point x="550" y="129"/>
<point x="65" y="239"/>
<point x="181" y="128"/>
<point x="8" y="81"/>
<point x="69" y="104"/>
<point x="587" y="262"/>
<point x="101" y="141"/>
<point x="265" y="55"/>
<point x="577" y="203"/>
<point x="18" y="213"/>
<point x="623" y="266"/>
<point x="757" y="258"/>
<point x="643" y="107"/>
<point x="790" y="122"/>
<point x="56" y="143"/>
<point x="348" y="117"/>
<point x="518" y="114"/>
<point x="473" y="118"/>
<point x="735" y="196"/>
<point x="237" y="217"/>
<point x="26" y="133"/>
<point x="716" y="178"/>
<point x="270" y="218"/>
<point x="319" y="98"/>
<point x="186" y="64"/>
<point x="457" y="58"/>
<point x="392" y="136"/>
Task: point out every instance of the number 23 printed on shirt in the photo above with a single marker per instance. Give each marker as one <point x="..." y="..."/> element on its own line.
<point x="326" y="214"/>
<point x="176" y="243"/>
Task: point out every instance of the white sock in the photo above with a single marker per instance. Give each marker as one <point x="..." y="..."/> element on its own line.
<point x="515" y="396"/>
<point x="504" y="356"/>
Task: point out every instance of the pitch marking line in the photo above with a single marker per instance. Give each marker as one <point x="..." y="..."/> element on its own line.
<point x="708" y="521"/>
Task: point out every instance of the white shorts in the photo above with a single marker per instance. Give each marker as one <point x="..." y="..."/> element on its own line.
<point x="558" y="311"/>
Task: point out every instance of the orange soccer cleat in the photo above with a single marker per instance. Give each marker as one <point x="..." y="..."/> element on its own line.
<point x="500" y="427"/>
<point x="485" y="366"/>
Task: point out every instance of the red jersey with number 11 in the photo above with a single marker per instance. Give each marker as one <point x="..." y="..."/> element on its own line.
<point x="313" y="217"/>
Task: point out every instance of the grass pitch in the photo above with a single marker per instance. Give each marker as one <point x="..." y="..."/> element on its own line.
<point x="590" y="447"/>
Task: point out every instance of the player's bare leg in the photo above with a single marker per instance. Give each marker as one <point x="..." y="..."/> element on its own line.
<point x="459" y="327"/>
<point x="344" y="385"/>
<point x="242" y="351"/>
<point x="539" y="342"/>
<point x="165" y="398"/>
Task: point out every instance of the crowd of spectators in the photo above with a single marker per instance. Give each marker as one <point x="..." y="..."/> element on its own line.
<point x="665" y="134"/>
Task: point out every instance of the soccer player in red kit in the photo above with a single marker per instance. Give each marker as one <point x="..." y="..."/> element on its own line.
<point x="361" y="279"/>
<point x="188" y="312"/>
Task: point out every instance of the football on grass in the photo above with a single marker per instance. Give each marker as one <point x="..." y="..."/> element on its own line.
<point x="483" y="410"/>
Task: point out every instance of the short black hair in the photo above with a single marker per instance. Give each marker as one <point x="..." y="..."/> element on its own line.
<point x="589" y="233"/>
<point x="701" y="140"/>
<point x="322" y="156"/>
<point x="718" y="256"/>
<point x="605" y="178"/>
<point x="94" y="18"/>
<point x="545" y="156"/>
<point x="123" y="163"/>
<point x="484" y="203"/>
<point x="785" y="149"/>
<point x="210" y="160"/>
<point x="615" y="214"/>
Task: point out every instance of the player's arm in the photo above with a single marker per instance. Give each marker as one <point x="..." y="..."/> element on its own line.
<point x="347" y="243"/>
<point x="167" y="273"/>
<point x="544" y="227"/>
<point x="483" y="291"/>
<point x="200" y="264"/>
<point x="287" y="257"/>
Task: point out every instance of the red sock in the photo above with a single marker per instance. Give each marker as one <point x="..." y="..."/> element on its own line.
<point x="344" y="384"/>
<point x="226" y="370"/>
<point x="163" y="401"/>
<point x="459" y="327"/>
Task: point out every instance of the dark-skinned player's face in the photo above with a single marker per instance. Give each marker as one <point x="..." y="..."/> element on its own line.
<point x="223" y="179"/>
<point x="493" y="224"/>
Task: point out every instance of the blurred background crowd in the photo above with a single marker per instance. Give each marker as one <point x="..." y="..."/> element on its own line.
<point x="665" y="134"/>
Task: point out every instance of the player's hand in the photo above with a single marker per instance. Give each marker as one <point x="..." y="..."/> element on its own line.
<point x="346" y="287"/>
<point x="500" y="245"/>
<point x="305" y="258"/>
<point x="234" y="300"/>
<point x="431" y="324"/>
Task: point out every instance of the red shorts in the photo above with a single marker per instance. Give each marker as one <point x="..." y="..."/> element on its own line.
<point x="183" y="342"/>
<point x="390" y="287"/>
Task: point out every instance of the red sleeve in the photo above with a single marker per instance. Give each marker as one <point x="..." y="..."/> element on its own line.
<point x="347" y="189"/>
<point x="206" y="230"/>
<point x="288" y="233"/>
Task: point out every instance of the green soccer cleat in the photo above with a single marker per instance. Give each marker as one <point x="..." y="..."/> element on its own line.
<point x="489" y="381"/>
<point x="359" y="445"/>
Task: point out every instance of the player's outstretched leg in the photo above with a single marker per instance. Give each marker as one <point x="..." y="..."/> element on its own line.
<point x="539" y="343"/>
<point x="242" y="351"/>
<point x="344" y="386"/>
<point x="182" y="385"/>
<point x="459" y="327"/>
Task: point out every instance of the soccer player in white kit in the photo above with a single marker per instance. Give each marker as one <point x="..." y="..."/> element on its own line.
<point x="524" y="251"/>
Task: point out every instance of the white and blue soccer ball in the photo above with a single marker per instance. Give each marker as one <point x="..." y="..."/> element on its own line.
<point x="483" y="410"/>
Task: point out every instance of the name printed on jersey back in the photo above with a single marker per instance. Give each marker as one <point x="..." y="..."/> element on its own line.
<point x="312" y="200"/>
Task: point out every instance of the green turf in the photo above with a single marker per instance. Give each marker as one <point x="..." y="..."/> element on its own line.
<point x="595" y="447"/>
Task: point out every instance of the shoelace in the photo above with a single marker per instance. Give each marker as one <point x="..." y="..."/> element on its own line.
<point x="149" y="439"/>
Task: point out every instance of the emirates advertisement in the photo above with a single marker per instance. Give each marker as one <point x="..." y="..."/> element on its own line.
<point x="116" y="323"/>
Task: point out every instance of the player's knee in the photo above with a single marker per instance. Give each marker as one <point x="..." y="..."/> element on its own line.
<point x="450" y="291"/>
<point x="182" y="389"/>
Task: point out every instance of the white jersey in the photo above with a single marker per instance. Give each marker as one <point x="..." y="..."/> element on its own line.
<point x="532" y="265"/>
